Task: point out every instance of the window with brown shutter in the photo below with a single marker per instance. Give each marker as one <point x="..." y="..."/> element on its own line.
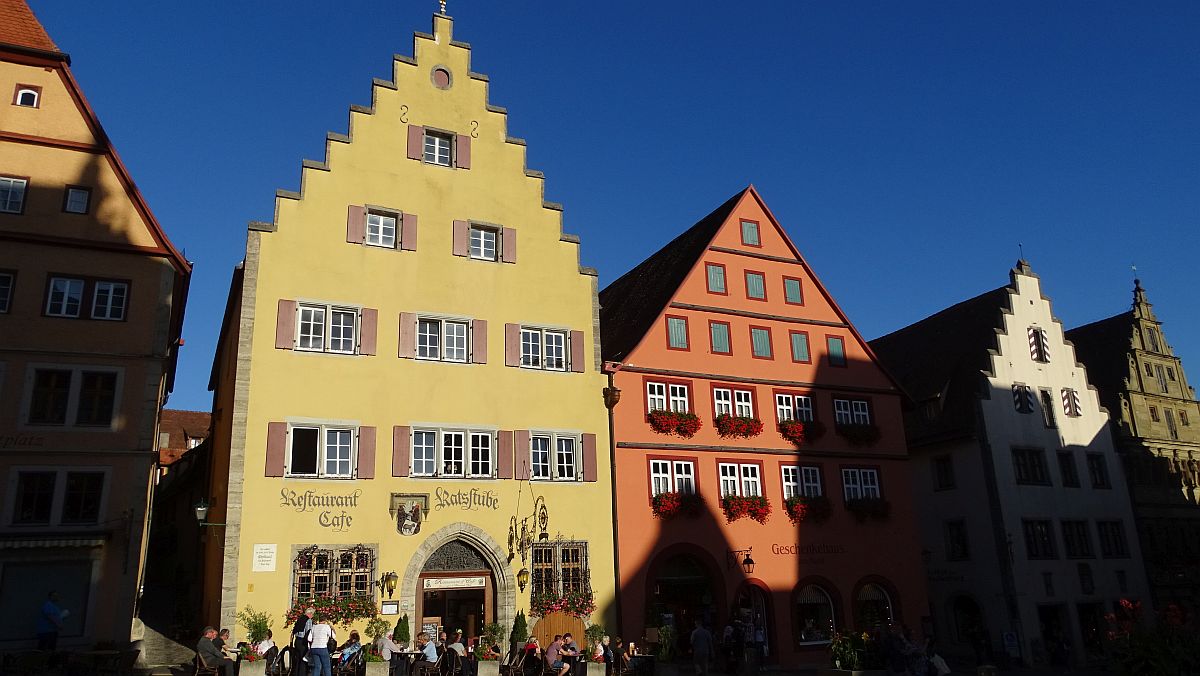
<point x="285" y="325"/>
<point x="366" y="452"/>
<point x="401" y="450"/>
<point x="356" y="223"/>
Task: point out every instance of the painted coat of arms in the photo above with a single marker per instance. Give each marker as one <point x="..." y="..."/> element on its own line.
<point x="408" y="511"/>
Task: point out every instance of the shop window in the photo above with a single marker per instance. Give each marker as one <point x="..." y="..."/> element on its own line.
<point x="814" y="615"/>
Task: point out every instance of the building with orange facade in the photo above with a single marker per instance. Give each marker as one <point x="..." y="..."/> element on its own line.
<point x="726" y="327"/>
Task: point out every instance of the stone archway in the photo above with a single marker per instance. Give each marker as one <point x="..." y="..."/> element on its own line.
<point x="496" y="557"/>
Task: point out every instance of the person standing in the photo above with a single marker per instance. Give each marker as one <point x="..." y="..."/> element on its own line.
<point x="49" y="622"/>
<point x="300" y="642"/>
<point x="702" y="649"/>
<point x="318" y="647"/>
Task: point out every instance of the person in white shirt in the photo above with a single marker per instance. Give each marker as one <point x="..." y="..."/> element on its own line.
<point x="318" y="647"/>
<point x="265" y="644"/>
<point x="457" y="645"/>
<point x="391" y="652"/>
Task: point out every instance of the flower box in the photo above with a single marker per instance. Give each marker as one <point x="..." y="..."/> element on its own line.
<point x="670" y="504"/>
<point x="859" y="434"/>
<point x="756" y="507"/>
<point x="742" y="427"/>
<point x="803" y="508"/>
<point x="869" y="508"/>
<point x="337" y="611"/>
<point x="673" y="422"/>
<point x="801" y="432"/>
<point x="577" y="603"/>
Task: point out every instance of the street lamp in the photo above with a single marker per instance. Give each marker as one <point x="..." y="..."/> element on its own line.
<point x="201" y="510"/>
<point x="747" y="563"/>
<point x="387" y="582"/>
<point x="523" y="578"/>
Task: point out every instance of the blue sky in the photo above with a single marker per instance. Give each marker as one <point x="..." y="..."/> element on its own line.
<point x="908" y="148"/>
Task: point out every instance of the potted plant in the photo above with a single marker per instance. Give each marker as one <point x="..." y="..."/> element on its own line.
<point x="257" y="624"/>
<point x="756" y="507"/>
<point x="807" y="508"/>
<point x="858" y="654"/>
<point x="859" y="434"/>
<point x="670" y="504"/>
<point x="734" y="426"/>
<point x="801" y="432"/>
<point x="869" y="508"/>
<point x="401" y="633"/>
<point x="683" y="424"/>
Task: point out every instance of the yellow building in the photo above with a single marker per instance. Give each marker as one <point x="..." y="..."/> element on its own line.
<point x="408" y="364"/>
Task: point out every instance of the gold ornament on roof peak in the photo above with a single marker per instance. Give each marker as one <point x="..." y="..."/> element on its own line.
<point x="443" y="6"/>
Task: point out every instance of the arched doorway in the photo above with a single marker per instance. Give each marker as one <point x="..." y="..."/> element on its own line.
<point x="751" y="607"/>
<point x="456" y="590"/>
<point x="872" y="607"/>
<point x="681" y="592"/>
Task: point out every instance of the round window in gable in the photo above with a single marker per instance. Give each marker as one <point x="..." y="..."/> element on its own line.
<point x="440" y="77"/>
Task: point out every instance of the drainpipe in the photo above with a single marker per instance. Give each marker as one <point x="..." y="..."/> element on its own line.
<point x="612" y="395"/>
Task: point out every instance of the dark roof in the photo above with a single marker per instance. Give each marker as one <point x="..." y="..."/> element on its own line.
<point x="180" y="426"/>
<point x="20" y="28"/>
<point x="629" y="306"/>
<point x="940" y="358"/>
<point x="1103" y="348"/>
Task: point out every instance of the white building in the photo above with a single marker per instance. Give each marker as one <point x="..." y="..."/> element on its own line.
<point x="1024" y="513"/>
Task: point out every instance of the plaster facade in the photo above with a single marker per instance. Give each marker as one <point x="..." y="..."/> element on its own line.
<point x="424" y="232"/>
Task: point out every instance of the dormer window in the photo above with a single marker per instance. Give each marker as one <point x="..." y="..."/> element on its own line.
<point x="27" y="96"/>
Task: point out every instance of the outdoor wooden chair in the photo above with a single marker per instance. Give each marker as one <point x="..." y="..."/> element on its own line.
<point x="199" y="668"/>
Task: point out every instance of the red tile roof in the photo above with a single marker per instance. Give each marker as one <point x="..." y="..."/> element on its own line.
<point x="20" y="28"/>
<point x="180" y="426"/>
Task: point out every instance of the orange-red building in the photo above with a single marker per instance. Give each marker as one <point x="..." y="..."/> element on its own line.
<point x="727" y="323"/>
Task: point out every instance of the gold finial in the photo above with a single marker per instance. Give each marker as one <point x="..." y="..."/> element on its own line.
<point x="443" y="4"/>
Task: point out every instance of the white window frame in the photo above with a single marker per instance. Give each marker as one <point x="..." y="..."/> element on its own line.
<point x="447" y="333"/>
<point x="566" y="458"/>
<point x="656" y="396"/>
<point x="743" y="403"/>
<point x="323" y="429"/>
<point x="861" y="410"/>
<point x="13" y="189"/>
<point x="73" y="396"/>
<point x="432" y="148"/>
<point x="377" y="232"/>
<point x="790" y="480"/>
<point x="480" y="252"/>
<point x="860" y="483"/>
<point x="841" y="412"/>
<point x="109" y="311"/>
<point x="810" y="481"/>
<point x="58" y="500"/>
<point x="22" y="92"/>
<point x="745" y="479"/>
<point x="71" y="200"/>
<point x="327" y="326"/>
<point x="73" y="286"/>
<point x="554" y="441"/>
<point x="551" y="346"/>
<point x="722" y="401"/>
<point x="467" y="465"/>
<point x="672" y="475"/>
<point x="677" y="397"/>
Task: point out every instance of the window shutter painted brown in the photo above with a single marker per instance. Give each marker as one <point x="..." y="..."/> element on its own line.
<point x="504" y="467"/>
<point x="521" y="454"/>
<point x="589" y="457"/>
<point x="416" y="142"/>
<point x="408" y="336"/>
<point x="366" y="452"/>
<point x="512" y="344"/>
<point x="479" y="341"/>
<point x="285" y="325"/>
<point x="368" y="330"/>
<point x="462" y="151"/>
<point x="401" y="453"/>
<point x="408" y="232"/>
<point x="461" y="237"/>
<point x="356" y="224"/>
<point x="508" y="242"/>
<point x="276" y="448"/>
<point x="577" y="360"/>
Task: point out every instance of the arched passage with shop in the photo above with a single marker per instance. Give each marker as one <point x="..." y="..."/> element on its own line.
<point x="684" y="584"/>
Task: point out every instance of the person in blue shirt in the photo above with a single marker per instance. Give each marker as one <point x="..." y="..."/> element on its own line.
<point x="49" y="621"/>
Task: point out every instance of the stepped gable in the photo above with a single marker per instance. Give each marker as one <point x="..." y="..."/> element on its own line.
<point x="940" y="358"/>
<point x="629" y="306"/>
<point x="20" y="28"/>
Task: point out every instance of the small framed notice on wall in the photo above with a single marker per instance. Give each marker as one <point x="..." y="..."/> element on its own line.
<point x="390" y="608"/>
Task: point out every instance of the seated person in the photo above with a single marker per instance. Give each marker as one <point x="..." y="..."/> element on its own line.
<point x="457" y="644"/>
<point x="352" y="646"/>
<point x="427" y="661"/>
<point x="555" y="655"/>
<point x="211" y="655"/>
<point x="266" y="644"/>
